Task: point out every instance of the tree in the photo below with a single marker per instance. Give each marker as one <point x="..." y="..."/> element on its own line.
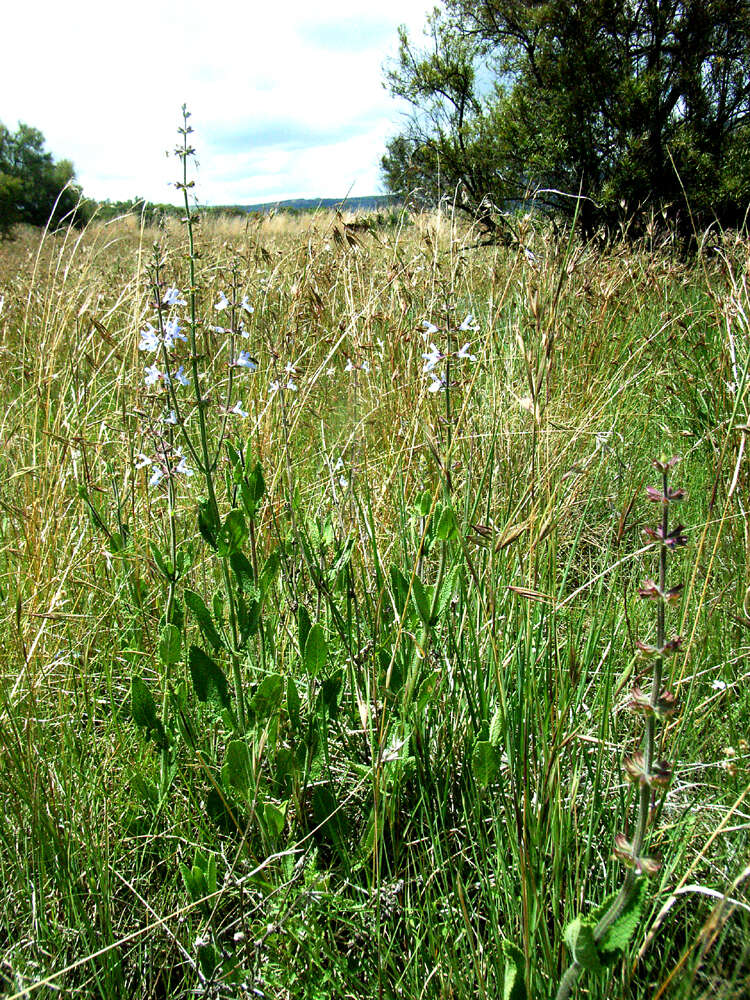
<point x="33" y="187"/>
<point x="635" y="105"/>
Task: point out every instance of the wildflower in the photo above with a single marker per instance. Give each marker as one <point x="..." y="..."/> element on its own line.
<point x="531" y="257"/>
<point x="182" y="466"/>
<point x="246" y="360"/>
<point x="469" y="323"/>
<point x="152" y="375"/>
<point x="432" y="358"/>
<point x="179" y="375"/>
<point x="219" y="329"/>
<point x="274" y="386"/>
<point x="672" y="539"/>
<point x="352" y="367"/>
<point x="171" y="418"/>
<point x="665" y="464"/>
<point x="428" y="330"/>
<point x="172" y="333"/>
<point x="143" y="461"/>
<point x="223" y="302"/>
<point x="156" y="476"/>
<point x="246" y="305"/>
<point x="291" y="386"/>
<point x="438" y="383"/>
<point x="173" y="298"/>
<point x="652" y="592"/>
<point x="243" y="332"/>
<point x="656" y="496"/>
<point x="149" y="339"/>
<point x="719" y="685"/>
<point x="237" y="408"/>
<point x="464" y="353"/>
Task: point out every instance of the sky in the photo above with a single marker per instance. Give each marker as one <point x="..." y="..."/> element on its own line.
<point x="287" y="97"/>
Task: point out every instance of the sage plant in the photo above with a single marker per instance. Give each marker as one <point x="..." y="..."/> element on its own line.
<point x="596" y="940"/>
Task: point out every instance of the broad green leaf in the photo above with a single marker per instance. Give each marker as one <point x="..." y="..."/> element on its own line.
<point x="619" y="934"/>
<point x="447" y="589"/>
<point x="399" y="588"/>
<point x="514" y="980"/>
<point x="497" y="730"/>
<point x="330" y="691"/>
<point x="269" y="571"/>
<point x="238" y="467"/>
<point x="163" y="563"/>
<point x="267" y="698"/>
<point x="248" y="616"/>
<point x="274" y="819"/>
<point x="303" y="626"/>
<point x="209" y="681"/>
<point x="579" y="937"/>
<point x="243" y="570"/>
<point x="233" y="533"/>
<point x="424" y="504"/>
<point x="237" y="769"/>
<point x="422" y="599"/>
<point x="143" y="709"/>
<point x="316" y="651"/>
<point x="203" y="617"/>
<point x="170" y="644"/>
<point x="485" y="762"/>
<point x="447" y="528"/>
<point x="208" y="523"/>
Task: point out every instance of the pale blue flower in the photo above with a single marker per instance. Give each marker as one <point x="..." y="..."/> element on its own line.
<point x="181" y="376"/>
<point x="171" y="418"/>
<point x="237" y="408"/>
<point x="223" y="302"/>
<point x="182" y="466"/>
<point x="469" y="323"/>
<point x="173" y="333"/>
<point x="246" y="360"/>
<point x="156" y="476"/>
<point x="246" y="305"/>
<point x="432" y="358"/>
<point x="152" y="375"/>
<point x="464" y="353"/>
<point x="149" y="339"/>
<point x="438" y="383"/>
<point x="173" y="298"/>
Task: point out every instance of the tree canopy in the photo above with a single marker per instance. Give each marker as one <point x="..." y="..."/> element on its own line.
<point x="635" y="105"/>
<point x="34" y="188"/>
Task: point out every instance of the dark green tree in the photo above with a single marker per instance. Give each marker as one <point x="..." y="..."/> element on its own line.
<point x="33" y="187"/>
<point x="635" y="105"/>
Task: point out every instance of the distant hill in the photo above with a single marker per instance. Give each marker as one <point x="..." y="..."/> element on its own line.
<point x="368" y="203"/>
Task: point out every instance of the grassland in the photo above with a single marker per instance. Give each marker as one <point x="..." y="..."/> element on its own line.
<point x="416" y="753"/>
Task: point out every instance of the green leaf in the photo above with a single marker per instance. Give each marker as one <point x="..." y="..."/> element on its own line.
<point x="203" y="616"/>
<point x="514" y="980"/>
<point x="422" y="600"/>
<point x="208" y="523"/>
<point x="274" y="819"/>
<point x="330" y="691"/>
<point x="170" y="644"/>
<point x="267" y="698"/>
<point x="619" y="934"/>
<point x="238" y="467"/>
<point x="303" y="626"/>
<point x="485" y="762"/>
<point x="143" y="709"/>
<point x="163" y="564"/>
<point x="269" y="572"/>
<point x="252" y="489"/>
<point x="447" y="528"/>
<point x="292" y="701"/>
<point x="233" y="533"/>
<point x="447" y="589"/>
<point x="497" y="731"/>
<point x="424" y="504"/>
<point x="579" y="937"/>
<point x="399" y="589"/>
<point x="209" y="681"/>
<point x="243" y="570"/>
<point x="316" y="651"/>
<point x="248" y="616"/>
<point x="237" y="771"/>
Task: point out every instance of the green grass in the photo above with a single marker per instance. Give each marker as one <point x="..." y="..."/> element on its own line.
<point x="435" y="787"/>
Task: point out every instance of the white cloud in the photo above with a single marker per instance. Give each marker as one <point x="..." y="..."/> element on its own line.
<point x="287" y="99"/>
